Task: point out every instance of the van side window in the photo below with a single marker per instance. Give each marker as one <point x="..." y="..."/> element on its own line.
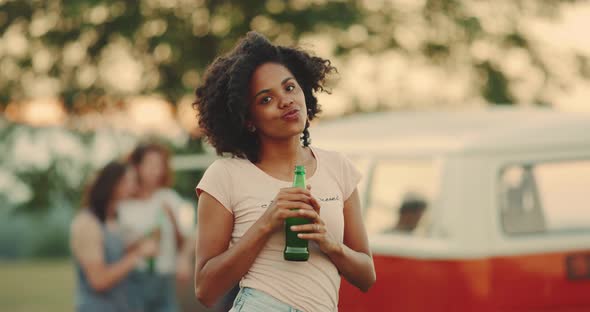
<point x="401" y="195"/>
<point x="545" y="197"/>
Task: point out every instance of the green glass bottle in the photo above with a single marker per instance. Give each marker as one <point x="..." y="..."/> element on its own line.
<point x="295" y="247"/>
<point x="156" y="234"/>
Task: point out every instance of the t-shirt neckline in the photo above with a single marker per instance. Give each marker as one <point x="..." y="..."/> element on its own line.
<point x="307" y="179"/>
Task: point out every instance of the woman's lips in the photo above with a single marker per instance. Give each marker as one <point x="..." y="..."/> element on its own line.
<point x="291" y="115"/>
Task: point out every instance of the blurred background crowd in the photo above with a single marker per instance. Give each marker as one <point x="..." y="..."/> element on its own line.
<point x="84" y="82"/>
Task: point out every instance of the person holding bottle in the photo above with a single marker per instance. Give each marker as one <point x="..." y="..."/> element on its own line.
<point x="153" y="212"/>
<point x="255" y="104"/>
<point x="103" y="266"/>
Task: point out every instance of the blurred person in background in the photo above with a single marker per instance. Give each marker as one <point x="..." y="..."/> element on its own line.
<point x="154" y="212"/>
<point x="410" y="213"/>
<point x="103" y="267"/>
<point x="255" y="104"/>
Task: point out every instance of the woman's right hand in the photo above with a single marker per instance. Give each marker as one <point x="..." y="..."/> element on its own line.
<point x="286" y="204"/>
<point x="148" y="247"/>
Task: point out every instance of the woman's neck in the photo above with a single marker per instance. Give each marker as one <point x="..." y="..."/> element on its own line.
<point x="279" y="158"/>
<point x="146" y="191"/>
<point x="284" y="152"/>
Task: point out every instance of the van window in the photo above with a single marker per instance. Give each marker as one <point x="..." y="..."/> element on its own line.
<point x="401" y="196"/>
<point x="545" y="197"/>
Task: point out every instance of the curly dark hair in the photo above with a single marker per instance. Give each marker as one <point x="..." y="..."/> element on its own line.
<point x="222" y="99"/>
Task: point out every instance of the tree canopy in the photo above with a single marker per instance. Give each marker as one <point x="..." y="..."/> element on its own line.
<point x="83" y="50"/>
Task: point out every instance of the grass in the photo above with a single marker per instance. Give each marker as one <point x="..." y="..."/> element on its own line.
<point x="37" y="286"/>
<point x="48" y="286"/>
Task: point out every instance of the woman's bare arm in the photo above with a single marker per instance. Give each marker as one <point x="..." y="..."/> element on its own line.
<point x="353" y="257"/>
<point x="87" y="247"/>
<point x="217" y="268"/>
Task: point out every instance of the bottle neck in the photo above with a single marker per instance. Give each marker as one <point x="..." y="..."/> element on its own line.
<point x="299" y="180"/>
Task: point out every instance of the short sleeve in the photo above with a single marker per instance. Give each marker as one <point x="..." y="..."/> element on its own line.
<point x="350" y="177"/>
<point x="217" y="182"/>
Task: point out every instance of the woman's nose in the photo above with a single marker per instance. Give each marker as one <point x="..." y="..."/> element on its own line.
<point x="285" y="102"/>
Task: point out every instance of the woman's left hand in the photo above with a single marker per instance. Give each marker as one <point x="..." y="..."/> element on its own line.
<point x="316" y="230"/>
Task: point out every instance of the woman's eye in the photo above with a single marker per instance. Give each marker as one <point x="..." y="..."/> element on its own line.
<point x="265" y="99"/>
<point x="290" y="87"/>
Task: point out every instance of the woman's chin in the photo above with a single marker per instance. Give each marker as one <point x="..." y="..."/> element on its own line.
<point x="285" y="133"/>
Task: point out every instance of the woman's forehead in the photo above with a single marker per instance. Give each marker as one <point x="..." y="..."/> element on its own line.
<point x="270" y="73"/>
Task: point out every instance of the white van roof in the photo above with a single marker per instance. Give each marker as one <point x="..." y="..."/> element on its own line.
<point x="472" y="131"/>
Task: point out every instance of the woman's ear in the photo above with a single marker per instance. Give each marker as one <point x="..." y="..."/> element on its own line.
<point x="250" y="127"/>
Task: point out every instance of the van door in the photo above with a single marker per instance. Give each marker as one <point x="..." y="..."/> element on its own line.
<point x="543" y="253"/>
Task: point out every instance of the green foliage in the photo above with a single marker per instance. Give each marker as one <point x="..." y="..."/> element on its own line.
<point x="43" y="174"/>
<point x="495" y="90"/>
<point x="79" y="48"/>
<point x="169" y="42"/>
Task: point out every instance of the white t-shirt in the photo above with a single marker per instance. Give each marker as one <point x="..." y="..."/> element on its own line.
<point x="138" y="217"/>
<point x="246" y="191"/>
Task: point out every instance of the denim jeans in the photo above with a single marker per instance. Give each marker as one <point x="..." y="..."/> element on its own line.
<point x="252" y="300"/>
<point x="155" y="292"/>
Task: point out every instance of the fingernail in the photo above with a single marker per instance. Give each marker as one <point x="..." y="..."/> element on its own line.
<point x="299" y="235"/>
<point x="293" y="228"/>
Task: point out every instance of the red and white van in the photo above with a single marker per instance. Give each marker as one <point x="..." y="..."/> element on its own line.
<point x="503" y="220"/>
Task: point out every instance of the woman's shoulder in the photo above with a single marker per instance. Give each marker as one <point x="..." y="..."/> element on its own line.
<point x="228" y="164"/>
<point x="85" y="222"/>
<point x="165" y="192"/>
<point x="85" y="217"/>
<point x="86" y="236"/>
<point x="329" y="156"/>
<point x="169" y="195"/>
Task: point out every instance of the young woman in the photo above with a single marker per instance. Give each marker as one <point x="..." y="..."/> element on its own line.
<point x="102" y="265"/>
<point x="255" y="105"/>
<point x="154" y="211"/>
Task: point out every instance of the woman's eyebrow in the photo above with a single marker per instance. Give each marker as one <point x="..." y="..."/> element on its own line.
<point x="261" y="91"/>
<point x="268" y="90"/>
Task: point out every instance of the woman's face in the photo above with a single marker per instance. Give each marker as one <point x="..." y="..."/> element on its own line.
<point x="151" y="169"/>
<point x="277" y="103"/>
<point x="127" y="186"/>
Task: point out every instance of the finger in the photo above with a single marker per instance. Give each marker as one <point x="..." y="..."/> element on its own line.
<point x="290" y="214"/>
<point x="294" y="205"/>
<point x="315" y="204"/>
<point x="310" y="214"/>
<point x="312" y="236"/>
<point x="295" y="190"/>
<point x="312" y="227"/>
<point x="296" y="197"/>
